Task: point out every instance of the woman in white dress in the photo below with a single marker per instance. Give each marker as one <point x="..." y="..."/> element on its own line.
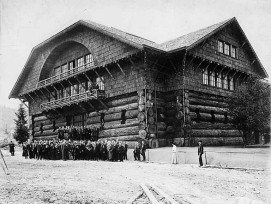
<point x="174" y="152"/>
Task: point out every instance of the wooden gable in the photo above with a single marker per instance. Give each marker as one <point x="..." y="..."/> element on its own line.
<point x="104" y="48"/>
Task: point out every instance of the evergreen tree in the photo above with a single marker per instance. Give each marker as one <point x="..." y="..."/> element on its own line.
<point x="249" y="107"/>
<point x="21" y="131"/>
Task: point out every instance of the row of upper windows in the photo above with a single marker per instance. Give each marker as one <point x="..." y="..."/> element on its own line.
<point x="227" y="49"/>
<point x="83" y="60"/>
<point x="78" y="88"/>
<point x="218" y="80"/>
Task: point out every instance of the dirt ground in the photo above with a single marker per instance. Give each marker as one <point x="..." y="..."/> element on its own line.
<point x="32" y="181"/>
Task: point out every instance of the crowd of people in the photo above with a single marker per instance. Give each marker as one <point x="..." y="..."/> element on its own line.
<point x="79" y="133"/>
<point x="80" y="150"/>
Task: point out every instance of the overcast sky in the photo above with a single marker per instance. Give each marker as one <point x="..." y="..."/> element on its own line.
<point x="26" y="23"/>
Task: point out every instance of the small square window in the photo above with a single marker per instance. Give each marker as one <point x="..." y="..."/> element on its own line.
<point x="227" y="49"/>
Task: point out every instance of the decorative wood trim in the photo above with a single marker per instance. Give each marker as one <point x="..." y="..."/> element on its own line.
<point x="109" y="73"/>
<point x="121" y="69"/>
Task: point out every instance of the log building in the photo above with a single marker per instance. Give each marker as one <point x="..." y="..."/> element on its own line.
<point x="89" y="74"/>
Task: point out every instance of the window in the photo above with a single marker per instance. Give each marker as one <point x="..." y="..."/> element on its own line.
<point x="220" y="46"/>
<point x="231" y="84"/>
<point x="64" y="68"/>
<point x="79" y="120"/>
<point x="212" y="79"/>
<point x="59" y="94"/>
<point x="67" y="92"/>
<point x="205" y="77"/>
<point x="71" y="65"/>
<point x="57" y="71"/>
<point x="219" y="80"/>
<point x="81" y="88"/>
<point x="74" y="89"/>
<point x="233" y="51"/>
<point x="100" y="82"/>
<point x="225" y="83"/>
<point x="89" y="60"/>
<point x="80" y="62"/>
<point x="89" y="85"/>
<point x="227" y="49"/>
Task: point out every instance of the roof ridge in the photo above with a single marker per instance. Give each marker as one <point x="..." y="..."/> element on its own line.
<point x="222" y="23"/>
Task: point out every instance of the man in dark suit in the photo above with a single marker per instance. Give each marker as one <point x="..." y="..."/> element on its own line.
<point x="200" y="152"/>
<point x="11" y="148"/>
<point x="143" y="150"/>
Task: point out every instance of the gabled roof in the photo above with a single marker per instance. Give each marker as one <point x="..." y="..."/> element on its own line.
<point x="189" y="39"/>
<point x="185" y="42"/>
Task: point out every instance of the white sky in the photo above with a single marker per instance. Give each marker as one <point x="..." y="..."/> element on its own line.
<point x="26" y="23"/>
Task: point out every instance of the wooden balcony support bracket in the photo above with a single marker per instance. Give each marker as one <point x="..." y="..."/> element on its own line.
<point x="245" y="77"/>
<point x="88" y="77"/>
<point x="190" y="62"/>
<point x="54" y="88"/>
<point x="174" y="67"/>
<point x="133" y="64"/>
<point x="156" y="61"/>
<point x="235" y="72"/>
<point x="202" y="60"/>
<point x="43" y="93"/>
<point x="31" y="97"/>
<point x="239" y="76"/>
<point x="121" y="69"/>
<point x="243" y="44"/>
<point x="98" y="75"/>
<point x="81" y="83"/>
<point x="63" y="87"/>
<point x="69" y="82"/>
<point x="88" y="103"/>
<point x="214" y="68"/>
<point x="228" y="72"/>
<point x="23" y="102"/>
<point x="203" y="70"/>
<point x="220" y="72"/>
<point x="82" y="107"/>
<point x="36" y="94"/>
<point x="109" y="72"/>
<point x="103" y="104"/>
<point x="49" y="92"/>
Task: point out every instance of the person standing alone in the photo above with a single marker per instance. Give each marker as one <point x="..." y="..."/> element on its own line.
<point x="174" y="157"/>
<point x="11" y="148"/>
<point x="200" y="153"/>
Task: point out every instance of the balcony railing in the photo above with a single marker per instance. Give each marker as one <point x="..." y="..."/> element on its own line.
<point x="74" y="99"/>
<point x="66" y="74"/>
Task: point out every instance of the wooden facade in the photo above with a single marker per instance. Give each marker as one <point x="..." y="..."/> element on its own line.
<point x="90" y="74"/>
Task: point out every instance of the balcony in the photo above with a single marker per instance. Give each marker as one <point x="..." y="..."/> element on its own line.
<point x="65" y="75"/>
<point x="95" y="94"/>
